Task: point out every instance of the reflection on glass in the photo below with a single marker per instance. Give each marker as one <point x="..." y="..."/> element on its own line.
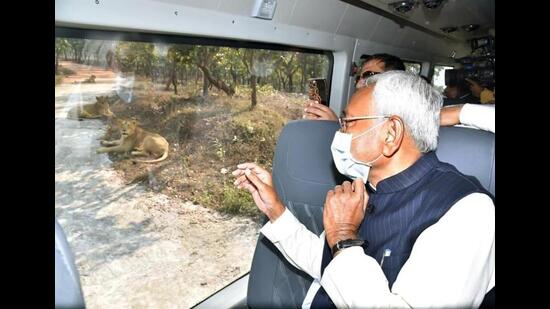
<point x="171" y="232"/>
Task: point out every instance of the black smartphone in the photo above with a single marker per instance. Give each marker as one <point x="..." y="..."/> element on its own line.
<point x="318" y="90"/>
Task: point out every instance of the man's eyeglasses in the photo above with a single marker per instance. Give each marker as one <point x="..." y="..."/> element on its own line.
<point x="344" y="121"/>
<point x="368" y="74"/>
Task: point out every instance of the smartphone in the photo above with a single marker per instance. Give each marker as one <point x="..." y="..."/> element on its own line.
<point x="318" y="90"/>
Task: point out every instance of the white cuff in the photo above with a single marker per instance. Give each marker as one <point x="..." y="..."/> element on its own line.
<point x="281" y="228"/>
<point x="479" y="116"/>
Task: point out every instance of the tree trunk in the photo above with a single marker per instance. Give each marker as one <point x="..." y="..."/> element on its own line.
<point x="204" y="85"/>
<point x="304" y="70"/>
<point x="290" y="83"/>
<point x="234" y="76"/>
<point x="282" y="81"/>
<point x="56" y="62"/>
<point x="230" y="91"/>
<point x="175" y="82"/>
<point x="253" y="98"/>
<point x="109" y="57"/>
<point x="172" y="79"/>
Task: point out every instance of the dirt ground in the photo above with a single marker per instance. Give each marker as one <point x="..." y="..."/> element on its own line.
<point x="134" y="247"/>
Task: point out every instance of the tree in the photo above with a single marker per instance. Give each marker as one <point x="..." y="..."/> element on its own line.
<point x="135" y="57"/>
<point x="61" y="47"/>
<point x="110" y="59"/>
<point x="98" y="52"/>
<point x="77" y="47"/>
<point x="248" y="62"/>
<point x="289" y="67"/>
<point x="177" y="57"/>
<point x="207" y="61"/>
<point x="230" y="60"/>
<point x="302" y="57"/>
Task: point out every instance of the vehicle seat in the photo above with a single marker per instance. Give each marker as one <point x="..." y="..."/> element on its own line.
<point x="68" y="293"/>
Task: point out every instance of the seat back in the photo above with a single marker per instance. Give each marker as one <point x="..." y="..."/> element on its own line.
<point x="303" y="172"/>
<point x="471" y="151"/>
<point x="68" y="293"/>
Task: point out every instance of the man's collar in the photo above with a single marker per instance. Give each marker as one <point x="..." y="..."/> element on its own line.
<point x="409" y="176"/>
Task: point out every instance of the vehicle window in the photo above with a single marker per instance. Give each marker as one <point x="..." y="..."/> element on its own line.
<point x="166" y="234"/>
<point x="414" y="67"/>
<point x="438" y="78"/>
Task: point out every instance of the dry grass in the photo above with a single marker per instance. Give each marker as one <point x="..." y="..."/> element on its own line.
<point x="208" y="137"/>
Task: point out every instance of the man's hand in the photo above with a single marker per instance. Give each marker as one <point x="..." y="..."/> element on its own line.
<point x="258" y="182"/>
<point x="344" y="211"/>
<point x="317" y="111"/>
<point x="487" y="97"/>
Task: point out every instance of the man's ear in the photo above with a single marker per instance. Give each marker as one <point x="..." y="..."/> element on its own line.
<point x="394" y="132"/>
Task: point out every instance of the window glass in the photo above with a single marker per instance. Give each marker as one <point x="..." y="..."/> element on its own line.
<point x="166" y="234"/>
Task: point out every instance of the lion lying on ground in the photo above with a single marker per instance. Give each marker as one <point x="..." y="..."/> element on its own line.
<point x="89" y="80"/>
<point x="98" y="109"/>
<point x="137" y="141"/>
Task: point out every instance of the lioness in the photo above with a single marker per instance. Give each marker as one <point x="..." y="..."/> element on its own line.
<point x="91" y="111"/>
<point x="138" y="142"/>
<point x="90" y="80"/>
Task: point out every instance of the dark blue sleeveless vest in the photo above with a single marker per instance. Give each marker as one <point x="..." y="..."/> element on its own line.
<point x="401" y="208"/>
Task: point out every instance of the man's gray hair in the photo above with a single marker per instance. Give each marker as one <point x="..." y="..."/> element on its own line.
<point x="410" y="97"/>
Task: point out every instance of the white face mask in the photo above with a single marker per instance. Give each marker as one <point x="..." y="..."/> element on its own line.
<point x="343" y="159"/>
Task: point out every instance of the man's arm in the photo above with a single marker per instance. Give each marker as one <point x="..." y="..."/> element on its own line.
<point x="450" y="115"/>
<point x="451" y="265"/>
<point x="302" y="248"/>
<point x="479" y="116"/>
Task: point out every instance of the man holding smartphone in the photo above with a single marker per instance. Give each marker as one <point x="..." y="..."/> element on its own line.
<point x="372" y="65"/>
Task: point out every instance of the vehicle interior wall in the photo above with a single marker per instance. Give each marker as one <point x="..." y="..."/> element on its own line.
<point x="333" y="25"/>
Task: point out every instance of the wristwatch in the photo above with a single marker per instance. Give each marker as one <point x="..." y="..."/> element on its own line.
<point x="342" y="244"/>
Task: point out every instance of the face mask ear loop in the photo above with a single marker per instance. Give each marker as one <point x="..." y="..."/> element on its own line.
<point x="372" y="162"/>
<point x="368" y="130"/>
<point x="369" y="164"/>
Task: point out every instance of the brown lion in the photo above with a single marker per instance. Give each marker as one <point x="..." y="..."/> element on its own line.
<point x="138" y="142"/>
<point x="90" y="80"/>
<point x="98" y="109"/>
